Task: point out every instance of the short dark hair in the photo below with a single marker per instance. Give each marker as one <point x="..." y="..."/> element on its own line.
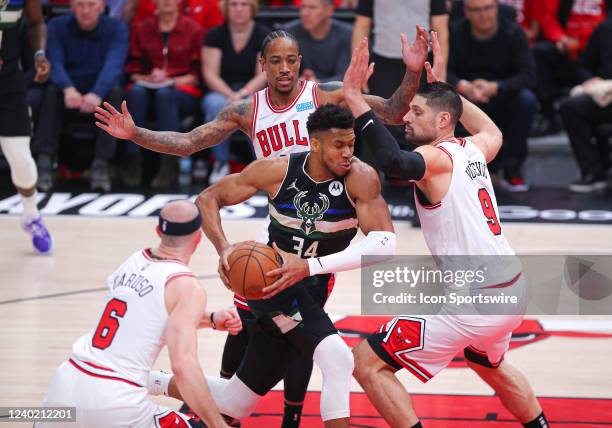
<point x="277" y="34"/>
<point x="329" y="116"/>
<point x="442" y="97"/>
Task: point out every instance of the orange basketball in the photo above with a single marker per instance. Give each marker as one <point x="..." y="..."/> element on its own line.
<point x="248" y="265"/>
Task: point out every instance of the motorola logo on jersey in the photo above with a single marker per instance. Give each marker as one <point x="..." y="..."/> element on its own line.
<point x="310" y="211"/>
<point x="277" y="137"/>
<point x="335" y="188"/>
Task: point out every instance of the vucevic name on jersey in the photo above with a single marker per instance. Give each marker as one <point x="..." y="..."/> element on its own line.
<point x="310" y="218"/>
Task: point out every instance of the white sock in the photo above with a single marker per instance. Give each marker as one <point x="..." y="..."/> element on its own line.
<point x="30" y="206"/>
<point x="158" y="382"/>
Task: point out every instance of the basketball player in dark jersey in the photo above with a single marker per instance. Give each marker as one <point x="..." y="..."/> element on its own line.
<point x="318" y="200"/>
<point x="280" y="60"/>
<point x="14" y="114"/>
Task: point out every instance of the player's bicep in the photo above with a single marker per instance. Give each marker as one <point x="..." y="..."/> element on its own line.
<point x="437" y="160"/>
<point x="186" y="303"/>
<point x="330" y="93"/>
<point x="489" y="144"/>
<point x="372" y="210"/>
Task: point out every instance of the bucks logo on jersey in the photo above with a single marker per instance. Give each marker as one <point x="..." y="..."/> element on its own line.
<point x="10" y="13"/>
<point x="311" y="218"/>
<point x="310" y="212"/>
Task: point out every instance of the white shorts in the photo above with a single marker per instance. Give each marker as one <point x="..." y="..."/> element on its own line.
<point x="103" y="402"/>
<point x="424" y="345"/>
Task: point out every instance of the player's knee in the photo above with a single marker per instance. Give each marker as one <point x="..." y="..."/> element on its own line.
<point x="23" y="168"/>
<point x="333" y="357"/>
<point x="362" y="369"/>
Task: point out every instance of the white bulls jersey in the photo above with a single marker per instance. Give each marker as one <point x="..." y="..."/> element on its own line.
<point x="277" y="132"/>
<point x="130" y="331"/>
<point x="466" y="220"/>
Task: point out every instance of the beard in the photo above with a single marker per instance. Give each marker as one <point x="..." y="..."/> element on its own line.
<point x="419" y="139"/>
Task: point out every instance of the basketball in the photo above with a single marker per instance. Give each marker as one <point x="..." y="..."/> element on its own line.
<point x="248" y="265"/>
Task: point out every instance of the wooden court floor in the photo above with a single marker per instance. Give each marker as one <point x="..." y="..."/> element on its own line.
<point x="47" y="302"/>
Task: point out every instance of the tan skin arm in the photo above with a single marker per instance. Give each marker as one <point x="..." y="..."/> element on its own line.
<point x="264" y="174"/>
<point x="363" y="185"/>
<point x="37" y="34"/>
<point x="233" y="117"/>
<point x="186" y="303"/>
<point x="439" y="24"/>
<point x="361" y="29"/>
<point x="392" y="110"/>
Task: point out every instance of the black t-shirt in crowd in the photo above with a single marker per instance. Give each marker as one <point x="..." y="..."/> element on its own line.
<point x="236" y="67"/>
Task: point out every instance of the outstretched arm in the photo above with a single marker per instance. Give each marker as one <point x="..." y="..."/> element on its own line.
<point x="387" y="154"/>
<point x="392" y="110"/>
<point x="120" y="125"/>
<point x="186" y="301"/>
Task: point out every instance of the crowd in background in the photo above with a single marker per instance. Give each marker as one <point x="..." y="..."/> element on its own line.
<point x="534" y="66"/>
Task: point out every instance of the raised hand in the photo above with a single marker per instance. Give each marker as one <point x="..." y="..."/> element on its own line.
<point x="438" y="70"/>
<point x="293" y="270"/>
<point x="415" y="55"/>
<point x="119" y="125"/>
<point x="359" y="71"/>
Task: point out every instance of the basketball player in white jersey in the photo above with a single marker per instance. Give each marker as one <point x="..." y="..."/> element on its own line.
<point x="275" y="120"/>
<point x="458" y="212"/>
<point x="155" y="300"/>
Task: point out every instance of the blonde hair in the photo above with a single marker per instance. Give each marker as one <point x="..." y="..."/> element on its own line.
<point x="225" y="6"/>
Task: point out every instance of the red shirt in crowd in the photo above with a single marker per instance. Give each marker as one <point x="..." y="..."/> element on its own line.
<point x="296" y="3"/>
<point x="146" y="50"/>
<point x="583" y="18"/>
<point x="207" y="13"/>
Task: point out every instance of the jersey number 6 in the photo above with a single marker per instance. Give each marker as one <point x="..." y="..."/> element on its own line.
<point x="109" y="323"/>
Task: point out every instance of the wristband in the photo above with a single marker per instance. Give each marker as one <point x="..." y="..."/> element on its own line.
<point x="40" y="52"/>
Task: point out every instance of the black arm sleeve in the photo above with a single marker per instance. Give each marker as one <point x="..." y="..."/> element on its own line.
<point x="388" y="156"/>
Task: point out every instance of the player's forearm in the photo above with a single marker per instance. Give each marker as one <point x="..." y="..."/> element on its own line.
<point x="475" y="120"/>
<point x="379" y="244"/>
<point x="172" y="143"/>
<point x="38" y="36"/>
<point x="392" y="110"/>
<point x="194" y="391"/>
<point x="211" y="223"/>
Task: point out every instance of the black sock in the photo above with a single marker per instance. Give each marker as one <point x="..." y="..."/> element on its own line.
<point x="292" y="416"/>
<point x="417" y="425"/>
<point x="539" y="422"/>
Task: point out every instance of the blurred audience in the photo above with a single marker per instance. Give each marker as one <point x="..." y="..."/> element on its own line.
<point x="491" y="64"/>
<point x="164" y="68"/>
<point x="325" y="43"/>
<point x="87" y="50"/>
<point x="230" y="68"/>
<point x="528" y="15"/>
<point x="566" y="28"/>
<point x="589" y="106"/>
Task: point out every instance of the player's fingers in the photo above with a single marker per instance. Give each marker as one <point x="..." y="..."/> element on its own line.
<point x="110" y="108"/>
<point x="102" y="111"/>
<point x="277" y="271"/>
<point x="124" y="108"/>
<point x="103" y="127"/>
<point x="100" y="117"/>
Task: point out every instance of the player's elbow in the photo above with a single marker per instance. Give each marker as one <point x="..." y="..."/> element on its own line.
<point x="385" y="246"/>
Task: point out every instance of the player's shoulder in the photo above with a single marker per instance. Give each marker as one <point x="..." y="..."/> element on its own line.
<point x="361" y="176"/>
<point x="268" y="169"/>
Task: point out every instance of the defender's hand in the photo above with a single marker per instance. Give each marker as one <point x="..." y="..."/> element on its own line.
<point x="359" y="70"/>
<point x="119" y="125"/>
<point x="228" y="320"/>
<point x="415" y="55"/>
<point x="438" y="70"/>
<point x="293" y="270"/>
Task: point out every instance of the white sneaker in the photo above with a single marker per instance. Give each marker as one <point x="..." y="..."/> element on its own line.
<point x="220" y="170"/>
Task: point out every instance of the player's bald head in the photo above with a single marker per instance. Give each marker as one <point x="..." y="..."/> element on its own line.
<point x="180" y="211"/>
<point x="182" y="214"/>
